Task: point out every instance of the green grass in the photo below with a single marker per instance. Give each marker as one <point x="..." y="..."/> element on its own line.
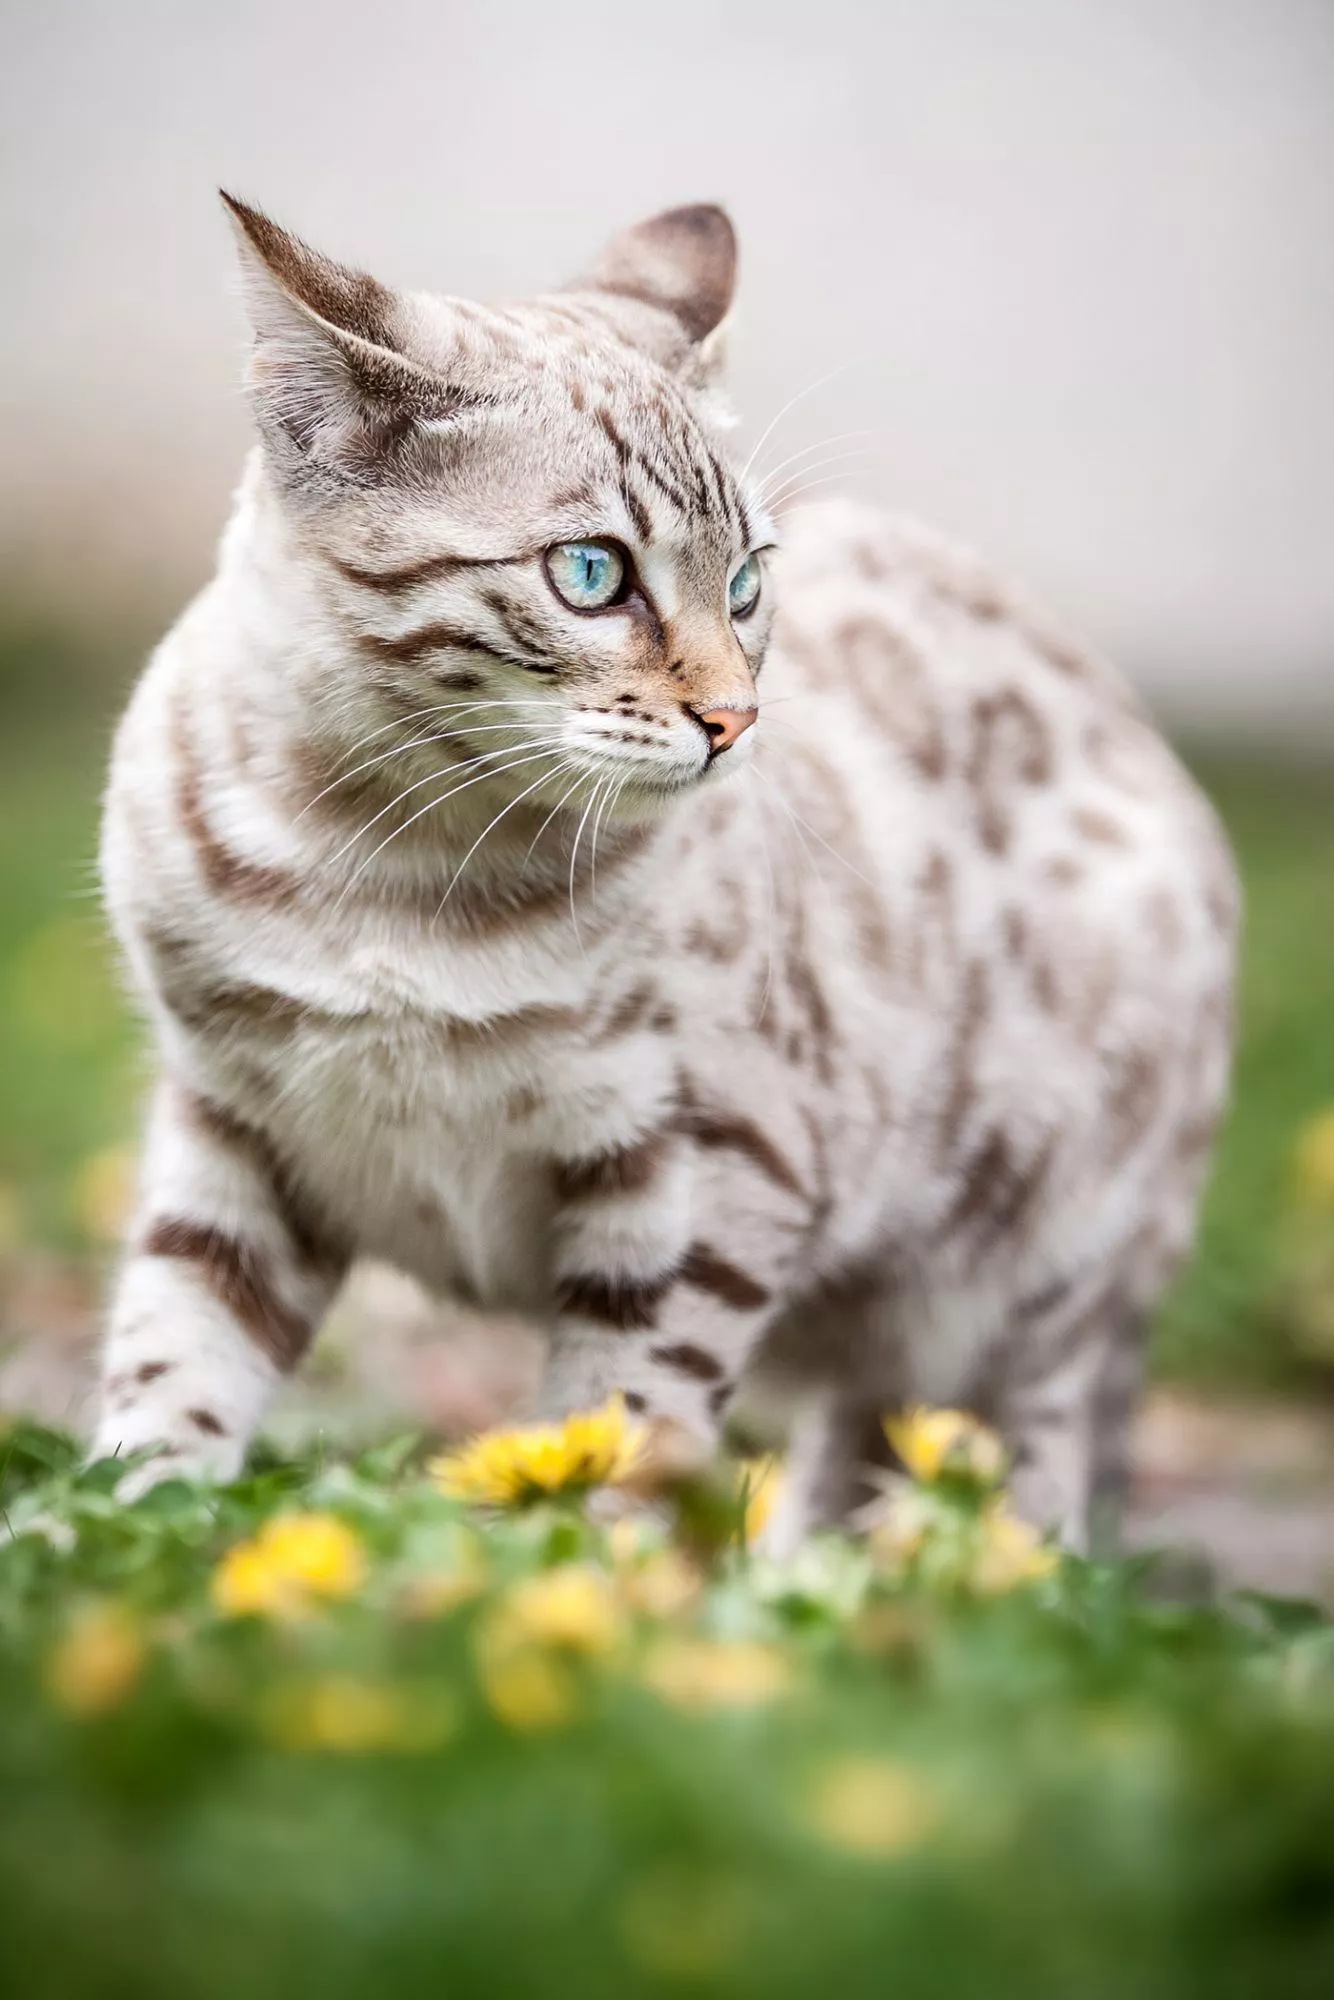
<point x="70" y="1069"/>
<point x="1067" y="1790"/>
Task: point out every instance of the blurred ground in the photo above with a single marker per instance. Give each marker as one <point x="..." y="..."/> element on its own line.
<point x="1236" y="1449"/>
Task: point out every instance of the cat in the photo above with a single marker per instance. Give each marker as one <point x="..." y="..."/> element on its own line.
<point x="762" y="953"/>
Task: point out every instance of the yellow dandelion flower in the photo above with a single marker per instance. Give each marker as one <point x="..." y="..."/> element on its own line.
<point x="934" y="1444"/>
<point x="759" y="1481"/>
<point x="572" y="1608"/>
<point x="1313" y="1161"/>
<point x="872" y="1807"/>
<point x="1011" y="1553"/>
<point x="517" y="1467"/>
<point x="97" y="1662"/>
<point x="293" y="1560"/>
<point x="664" y="1585"/>
<point x="716" y="1673"/>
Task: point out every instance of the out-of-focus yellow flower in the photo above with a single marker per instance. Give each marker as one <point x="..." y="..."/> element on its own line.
<point x="1313" y="1162"/>
<point x="934" y="1444"/>
<point x="1010" y="1553"/>
<point x="344" y="1713"/>
<point x="530" y="1690"/>
<point x="573" y="1608"/>
<point x="295" y="1559"/>
<point x="664" y="1585"/>
<point x="716" y="1673"/>
<point x="102" y="1193"/>
<point x="759" y="1481"/>
<point x="517" y="1467"/>
<point x="98" y="1660"/>
<point x="873" y="1807"/>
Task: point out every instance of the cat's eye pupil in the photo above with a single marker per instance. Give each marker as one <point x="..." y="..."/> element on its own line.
<point x="744" y="590"/>
<point x="587" y="575"/>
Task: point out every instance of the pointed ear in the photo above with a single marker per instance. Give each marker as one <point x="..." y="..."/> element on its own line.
<point x="683" y="262"/>
<point x="333" y="392"/>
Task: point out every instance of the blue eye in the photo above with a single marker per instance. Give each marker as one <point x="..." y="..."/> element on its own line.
<point x="588" y="575"/>
<point x="743" y="592"/>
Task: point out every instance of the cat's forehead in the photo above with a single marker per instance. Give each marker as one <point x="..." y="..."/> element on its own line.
<point x="582" y="419"/>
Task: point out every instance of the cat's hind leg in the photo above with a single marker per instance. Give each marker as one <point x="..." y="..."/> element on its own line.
<point x="1066" y="1409"/>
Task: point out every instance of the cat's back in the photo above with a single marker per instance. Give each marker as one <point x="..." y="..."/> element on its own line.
<point x="970" y="737"/>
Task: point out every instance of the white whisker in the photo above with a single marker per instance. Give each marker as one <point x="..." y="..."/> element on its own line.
<point x="490" y="825"/>
<point x="430" y="806"/>
<point x="791" y="404"/>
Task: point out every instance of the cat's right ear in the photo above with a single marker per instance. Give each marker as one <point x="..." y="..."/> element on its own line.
<point x="333" y="392"/>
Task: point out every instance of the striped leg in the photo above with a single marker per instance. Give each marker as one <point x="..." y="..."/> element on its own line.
<point x="648" y="1307"/>
<point x="222" y="1288"/>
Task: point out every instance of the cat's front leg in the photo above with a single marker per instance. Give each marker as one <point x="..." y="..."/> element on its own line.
<point x="654" y="1304"/>
<point x="225" y="1279"/>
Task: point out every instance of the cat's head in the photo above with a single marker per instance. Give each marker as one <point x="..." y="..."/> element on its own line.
<point x="532" y="535"/>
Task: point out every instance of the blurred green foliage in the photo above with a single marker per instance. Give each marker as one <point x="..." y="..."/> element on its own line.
<point x="1254" y="1310"/>
<point x="1068" y="1792"/>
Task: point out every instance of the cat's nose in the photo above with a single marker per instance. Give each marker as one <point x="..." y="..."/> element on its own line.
<point x="722" y="726"/>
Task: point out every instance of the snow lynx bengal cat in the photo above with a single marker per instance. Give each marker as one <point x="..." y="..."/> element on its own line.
<point x="748" y="948"/>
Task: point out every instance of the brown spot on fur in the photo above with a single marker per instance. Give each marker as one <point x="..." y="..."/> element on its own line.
<point x="1009" y="745"/>
<point x="624" y="1170"/>
<point x="152" y="1371"/>
<point x="998" y="1190"/>
<point x="204" y="1420"/>
<point x="708" y="1272"/>
<point x="807" y="992"/>
<point x="1014" y="930"/>
<point x="687" y="1359"/>
<point x="1063" y="871"/>
<point x="634" y="1402"/>
<point x="611" y="1300"/>
<point x="974" y="1008"/>
<point x="895" y="679"/>
<point x="1100" y="827"/>
<point x="720" y="1397"/>
<point x="630" y="1010"/>
<point x="239" y="1281"/>
<point x="719" y="1130"/>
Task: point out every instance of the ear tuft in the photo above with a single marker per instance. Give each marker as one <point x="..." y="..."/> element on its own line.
<point x="334" y="393"/>
<point x="682" y="261"/>
<point x="346" y="299"/>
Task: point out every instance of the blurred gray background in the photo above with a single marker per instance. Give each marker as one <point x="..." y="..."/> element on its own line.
<point x="1074" y="260"/>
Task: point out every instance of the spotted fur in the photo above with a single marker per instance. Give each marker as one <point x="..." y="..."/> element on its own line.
<point x="878" y="1050"/>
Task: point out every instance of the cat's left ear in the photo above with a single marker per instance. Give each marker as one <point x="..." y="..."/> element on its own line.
<point x="334" y="392"/>
<point x="683" y="263"/>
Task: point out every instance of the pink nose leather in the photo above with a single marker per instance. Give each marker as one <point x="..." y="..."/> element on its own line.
<point x="724" y="726"/>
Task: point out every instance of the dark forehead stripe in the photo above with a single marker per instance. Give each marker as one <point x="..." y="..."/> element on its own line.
<point x="428" y="569"/>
